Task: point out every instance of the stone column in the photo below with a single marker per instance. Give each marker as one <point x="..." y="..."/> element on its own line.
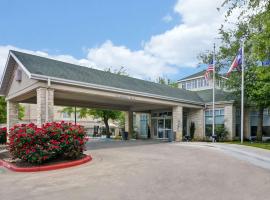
<point x="197" y="116"/>
<point x="50" y="105"/>
<point x="129" y="123"/>
<point x="12" y="114"/>
<point x="45" y="104"/>
<point x="178" y="122"/>
<point x="229" y="120"/>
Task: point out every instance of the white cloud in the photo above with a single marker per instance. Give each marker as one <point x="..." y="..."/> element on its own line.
<point x="137" y="63"/>
<point x="167" y="18"/>
<point x="197" y="32"/>
<point x="163" y="54"/>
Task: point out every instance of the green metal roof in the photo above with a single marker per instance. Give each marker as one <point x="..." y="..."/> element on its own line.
<point x="201" y="73"/>
<point x="58" y="69"/>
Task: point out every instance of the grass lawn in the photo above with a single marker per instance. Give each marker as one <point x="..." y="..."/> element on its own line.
<point x="262" y="145"/>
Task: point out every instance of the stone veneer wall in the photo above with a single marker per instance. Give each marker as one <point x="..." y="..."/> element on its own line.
<point x="197" y="116"/>
<point x="229" y="120"/>
<point x="12" y="114"/>
<point x="42" y="99"/>
<point x="177" y="117"/>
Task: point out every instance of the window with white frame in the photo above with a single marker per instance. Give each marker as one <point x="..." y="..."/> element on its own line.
<point x="219" y="120"/>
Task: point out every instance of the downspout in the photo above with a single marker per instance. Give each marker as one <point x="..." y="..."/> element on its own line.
<point x="47" y="99"/>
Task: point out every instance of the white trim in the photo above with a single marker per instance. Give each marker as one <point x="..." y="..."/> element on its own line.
<point x="107" y="88"/>
<point x="21" y="65"/>
<point x="189" y="79"/>
<point x="4" y="72"/>
<point x="220" y="103"/>
<point x="46" y="106"/>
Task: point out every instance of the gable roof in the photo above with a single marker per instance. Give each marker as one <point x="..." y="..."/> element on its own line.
<point x="201" y="73"/>
<point x="43" y="68"/>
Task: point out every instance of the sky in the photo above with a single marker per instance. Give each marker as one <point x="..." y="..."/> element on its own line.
<point x="148" y="38"/>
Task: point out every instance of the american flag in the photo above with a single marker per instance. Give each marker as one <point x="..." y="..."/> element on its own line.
<point x="209" y="69"/>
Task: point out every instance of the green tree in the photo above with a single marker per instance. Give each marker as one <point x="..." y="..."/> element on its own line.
<point x="254" y="25"/>
<point x="3" y="110"/>
<point x="166" y="81"/>
<point x="104" y="114"/>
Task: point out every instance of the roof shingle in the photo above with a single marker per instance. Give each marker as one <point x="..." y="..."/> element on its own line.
<point x="58" y="69"/>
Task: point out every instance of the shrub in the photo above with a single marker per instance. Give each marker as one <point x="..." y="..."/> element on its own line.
<point x="192" y="130"/>
<point x="36" y="145"/>
<point x="3" y="135"/>
<point x="221" y="133"/>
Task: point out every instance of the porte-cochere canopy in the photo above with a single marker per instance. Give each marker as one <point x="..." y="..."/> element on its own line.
<point x="46" y="82"/>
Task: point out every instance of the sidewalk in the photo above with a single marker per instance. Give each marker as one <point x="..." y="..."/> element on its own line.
<point x="253" y="155"/>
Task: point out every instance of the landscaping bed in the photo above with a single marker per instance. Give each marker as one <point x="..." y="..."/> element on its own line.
<point x="57" y="163"/>
<point x="51" y="146"/>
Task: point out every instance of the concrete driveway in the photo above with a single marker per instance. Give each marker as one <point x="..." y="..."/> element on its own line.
<point x="144" y="170"/>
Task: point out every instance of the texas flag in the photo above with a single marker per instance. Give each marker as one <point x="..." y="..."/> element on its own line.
<point x="236" y="62"/>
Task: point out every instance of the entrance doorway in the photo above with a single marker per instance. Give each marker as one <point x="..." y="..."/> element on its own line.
<point x="162" y="125"/>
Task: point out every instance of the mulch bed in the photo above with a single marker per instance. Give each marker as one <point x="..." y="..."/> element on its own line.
<point x="20" y="163"/>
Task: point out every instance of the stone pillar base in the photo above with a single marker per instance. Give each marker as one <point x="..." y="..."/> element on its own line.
<point x="45" y="104"/>
<point x="129" y="123"/>
<point x="12" y="114"/>
<point x="178" y="122"/>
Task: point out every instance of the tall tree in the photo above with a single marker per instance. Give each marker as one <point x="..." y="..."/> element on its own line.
<point x="254" y="25"/>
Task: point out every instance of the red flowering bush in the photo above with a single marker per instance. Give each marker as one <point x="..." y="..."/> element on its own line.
<point x="3" y="135"/>
<point x="36" y="145"/>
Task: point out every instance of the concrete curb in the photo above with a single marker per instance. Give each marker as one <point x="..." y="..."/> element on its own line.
<point x="12" y="167"/>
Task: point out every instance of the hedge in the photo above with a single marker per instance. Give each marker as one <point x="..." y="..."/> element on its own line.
<point x="37" y="145"/>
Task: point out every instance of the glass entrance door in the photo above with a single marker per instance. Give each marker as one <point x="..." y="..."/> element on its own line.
<point x="168" y="127"/>
<point x="162" y="127"/>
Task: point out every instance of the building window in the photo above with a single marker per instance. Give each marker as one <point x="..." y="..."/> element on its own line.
<point x="253" y="116"/>
<point x="184" y="85"/>
<point x="219" y="120"/>
<point x="144" y="128"/>
<point x="199" y="83"/>
<point x="188" y="85"/>
<point x="266" y="122"/>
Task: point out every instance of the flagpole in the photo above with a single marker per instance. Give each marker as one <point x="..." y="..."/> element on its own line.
<point x="213" y="111"/>
<point x="242" y="93"/>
